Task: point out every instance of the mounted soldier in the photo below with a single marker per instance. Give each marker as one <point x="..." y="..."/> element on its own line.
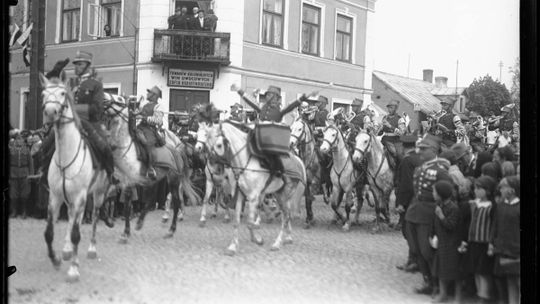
<point x="237" y="113"/>
<point x="148" y="128"/>
<point x="271" y="112"/>
<point x="447" y="125"/>
<point x="393" y="126"/>
<point x="509" y="123"/>
<point x="88" y="99"/>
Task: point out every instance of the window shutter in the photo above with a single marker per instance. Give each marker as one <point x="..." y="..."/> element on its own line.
<point x="94" y="11"/>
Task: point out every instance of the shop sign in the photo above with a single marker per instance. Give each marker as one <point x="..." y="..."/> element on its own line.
<point x="191" y="78"/>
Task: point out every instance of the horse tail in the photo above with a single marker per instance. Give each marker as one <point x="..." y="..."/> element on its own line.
<point x="186" y="185"/>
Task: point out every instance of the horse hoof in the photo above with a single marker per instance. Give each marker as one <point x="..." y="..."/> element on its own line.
<point x="202" y="224"/>
<point x="230" y="252"/>
<point x="72" y="278"/>
<point x="56" y="263"/>
<point x="226" y="220"/>
<point x="287" y="241"/>
<point x="168" y="235"/>
<point x="164" y="220"/>
<point x="346" y="228"/>
<point x="213" y="215"/>
<point x="180" y="218"/>
<point x="66" y="255"/>
<point x="91" y="255"/>
<point x="139" y="225"/>
<point x="123" y="240"/>
<point x="274" y="248"/>
<point x="269" y="221"/>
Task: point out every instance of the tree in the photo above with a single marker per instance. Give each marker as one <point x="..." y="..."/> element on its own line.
<point x="514" y="90"/>
<point x="486" y="95"/>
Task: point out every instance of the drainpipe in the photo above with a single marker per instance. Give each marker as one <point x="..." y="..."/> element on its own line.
<point x="136" y="50"/>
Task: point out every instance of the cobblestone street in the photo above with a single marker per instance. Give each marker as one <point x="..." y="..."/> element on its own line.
<point x="323" y="265"/>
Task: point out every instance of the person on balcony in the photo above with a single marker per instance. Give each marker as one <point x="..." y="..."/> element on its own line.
<point x="171" y="20"/>
<point x="212" y="20"/>
<point x="201" y="23"/>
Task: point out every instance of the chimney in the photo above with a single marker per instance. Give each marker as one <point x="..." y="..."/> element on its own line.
<point x="428" y="76"/>
<point x="441" y="81"/>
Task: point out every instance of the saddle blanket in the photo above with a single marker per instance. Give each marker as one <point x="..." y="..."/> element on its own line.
<point x="293" y="168"/>
<point x="164" y="157"/>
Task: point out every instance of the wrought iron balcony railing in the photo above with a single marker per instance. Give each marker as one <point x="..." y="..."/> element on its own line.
<point x="193" y="46"/>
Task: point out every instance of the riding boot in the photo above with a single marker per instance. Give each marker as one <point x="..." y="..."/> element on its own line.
<point x="150" y="171"/>
<point x="46" y="152"/>
<point x="98" y="139"/>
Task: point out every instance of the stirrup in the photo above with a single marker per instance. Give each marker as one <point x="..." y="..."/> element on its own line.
<point x="35" y="176"/>
<point x="151" y="173"/>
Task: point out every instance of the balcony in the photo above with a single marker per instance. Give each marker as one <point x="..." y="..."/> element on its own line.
<point x="172" y="46"/>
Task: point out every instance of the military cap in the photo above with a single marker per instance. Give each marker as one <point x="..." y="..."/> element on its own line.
<point x="273" y="89"/>
<point x="322" y="99"/>
<point x="357" y="102"/>
<point x="155" y="90"/>
<point x="393" y="103"/>
<point x="83" y="56"/>
<point x="447" y="101"/>
<point x="430" y="141"/>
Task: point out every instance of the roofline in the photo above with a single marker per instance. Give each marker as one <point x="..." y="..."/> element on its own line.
<point x="394" y="89"/>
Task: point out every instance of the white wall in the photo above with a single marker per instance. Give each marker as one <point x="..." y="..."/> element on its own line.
<point x="153" y="15"/>
<point x="231" y="20"/>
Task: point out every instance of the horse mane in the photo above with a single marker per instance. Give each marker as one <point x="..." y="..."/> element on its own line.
<point x="69" y="99"/>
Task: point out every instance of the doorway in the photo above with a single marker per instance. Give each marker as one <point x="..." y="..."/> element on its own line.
<point x="183" y="100"/>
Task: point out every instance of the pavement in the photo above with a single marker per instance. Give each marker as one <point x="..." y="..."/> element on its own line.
<point x="323" y="265"/>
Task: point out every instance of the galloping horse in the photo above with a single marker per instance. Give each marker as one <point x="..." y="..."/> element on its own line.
<point x="379" y="174"/>
<point x="176" y="171"/>
<point x="71" y="174"/>
<point x="229" y="141"/>
<point x="218" y="177"/>
<point x="343" y="174"/>
<point x="303" y="141"/>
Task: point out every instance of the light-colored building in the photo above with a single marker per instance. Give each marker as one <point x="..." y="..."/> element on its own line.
<point x="301" y="46"/>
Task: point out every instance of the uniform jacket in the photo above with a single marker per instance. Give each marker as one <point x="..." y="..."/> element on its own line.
<point x="358" y="120"/>
<point x="271" y="111"/>
<point x="320" y="118"/>
<point x="397" y="125"/>
<point x="405" y="190"/>
<point x="454" y="125"/>
<point x="20" y="160"/>
<point x="422" y="208"/>
<point x="511" y="126"/>
<point x="89" y="92"/>
<point x="196" y="24"/>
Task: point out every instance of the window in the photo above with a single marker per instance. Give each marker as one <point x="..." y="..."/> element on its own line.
<point x="272" y="22"/>
<point x="105" y="18"/>
<point x="111" y="17"/>
<point x="311" y="23"/>
<point x="343" y="38"/>
<point x="71" y="16"/>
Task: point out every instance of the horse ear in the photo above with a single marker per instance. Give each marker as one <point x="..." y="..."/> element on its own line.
<point x="63" y="77"/>
<point x="43" y="80"/>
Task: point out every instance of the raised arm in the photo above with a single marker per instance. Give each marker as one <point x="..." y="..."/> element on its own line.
<point x="246" y="97"/>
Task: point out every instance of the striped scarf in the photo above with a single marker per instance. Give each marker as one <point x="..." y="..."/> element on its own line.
<point x="481" y="221"/>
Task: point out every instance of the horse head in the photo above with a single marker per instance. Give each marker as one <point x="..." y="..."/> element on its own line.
<point x="114" y="105"/>
<point x="298" y="133"/>
<point x="202" y="135"/>
<point x="56" y="99"/>
<point x="331" y="135"/>
<point x="363" y="145"/>
<point x="215" y="140"/>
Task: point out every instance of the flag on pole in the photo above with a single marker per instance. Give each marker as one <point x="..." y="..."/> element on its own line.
<point x="23" y="39"/>
<point x="15" y="33"/>
<point x="26" y="55"/>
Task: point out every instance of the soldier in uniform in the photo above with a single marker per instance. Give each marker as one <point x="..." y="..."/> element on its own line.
<point x="271" y="111"/>
<point x="476" y="132"/>
<point x="20" y="165"/>
<point x="421" y="211"/>
<point x="322" y="113"/>
<point x="393" y="128"/>
<point x="152" y="119"/>
<point x="448" y="126"/>
<point x="508" y="124"/>
<point x="88" y="99"/>
<point x="237" y="113"/>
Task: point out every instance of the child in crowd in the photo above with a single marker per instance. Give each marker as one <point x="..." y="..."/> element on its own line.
<point x="505" y="241"/>
<point x="480" y="229"/>
<point x="446" y="261"/>
<point x="508" y="169"/>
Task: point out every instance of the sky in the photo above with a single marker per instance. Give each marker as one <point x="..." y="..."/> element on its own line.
<point x="435" y="34"/>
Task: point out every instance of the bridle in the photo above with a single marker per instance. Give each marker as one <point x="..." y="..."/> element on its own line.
<point x="331" y="144"/>
<point x="363" y="152"/>
<point x="63" y="105"/>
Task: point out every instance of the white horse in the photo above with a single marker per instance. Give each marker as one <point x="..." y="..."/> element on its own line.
<point x="343" y="174"/>
<point x="302" y="140"/>
<point x="219" y="177"/>
<point x="228" y="141"/>
<point x="379" y="174"/>
<point x="71" y="174"/>
<point x="130" y="167"/>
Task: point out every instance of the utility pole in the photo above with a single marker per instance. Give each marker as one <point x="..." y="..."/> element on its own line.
<point x="500" y="71"/>
<point x="37" y="64"/>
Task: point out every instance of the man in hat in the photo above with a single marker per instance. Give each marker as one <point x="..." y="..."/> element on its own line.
<point x="237" y="112"/>
<point x="152" y="120"/>
<point x="20" y="166"/>
<point x="322" y="113"/>
<point x="421" y="211"/>
<point x="465" y="159"/>
<point x="405" y="190"/>
<point x="448" y="125"/>
<point x="393" y="127"/>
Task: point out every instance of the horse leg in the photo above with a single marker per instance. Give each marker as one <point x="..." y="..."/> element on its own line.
<point x="52" y="214"/>
<point x="147" y="200"/>
<point x="233" y="246"/>
<point x="208" y="191"/>
<point x="309" y="210"/>
<point x="167" y="207"/>
<point x="67" y="251"/>
<point x="127" y="218"/>
<point x="78" y="212"/>
<point x="279" y="240"/>
<point x="358" y="203"/>
<point x="348" y="204"/>
<point x="337" y="197"/>
<point x="254" y="219"/>
<point x="174" y="184"/>
<point x="218" y="199"/>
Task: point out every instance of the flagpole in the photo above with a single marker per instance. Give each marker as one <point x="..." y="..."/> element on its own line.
<point x="37" y="65"/>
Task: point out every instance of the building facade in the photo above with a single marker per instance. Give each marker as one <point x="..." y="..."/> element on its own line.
<point x="301" y="46"/>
